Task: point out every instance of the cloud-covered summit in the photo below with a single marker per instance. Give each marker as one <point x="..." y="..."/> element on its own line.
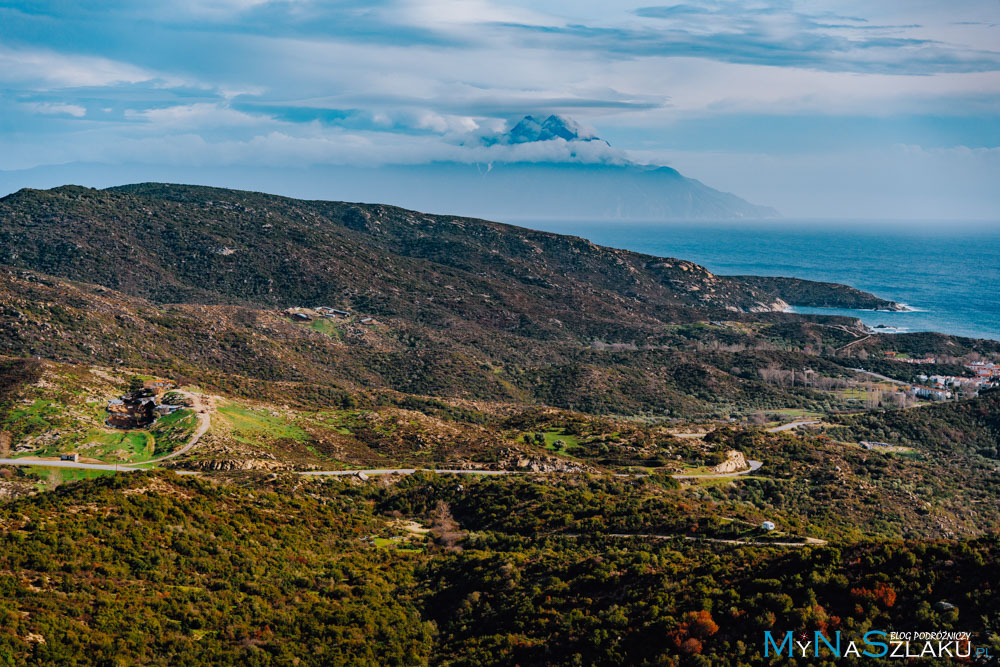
<point x="554" y="138"/>
<point x="554" y="127"/>
<point x="750" y="96"/>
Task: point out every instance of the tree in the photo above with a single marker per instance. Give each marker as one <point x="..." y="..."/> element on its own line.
<point x="445" y="529"/>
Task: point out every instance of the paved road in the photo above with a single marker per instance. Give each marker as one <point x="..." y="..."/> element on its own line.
<point x="754" y="465"/>
<point x="776" y="429"/>
<point x="66" y="464"/>
<point x="790" y="426"/>
<point x="410" y="471"/>
<point x="808" y="541"/>
<point x="201" y="402"/>
<point x="198" y="403"/>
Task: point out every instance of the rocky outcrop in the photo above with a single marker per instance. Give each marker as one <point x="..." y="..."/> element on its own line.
<point x="226" y="465"/>
<point x="539" y="464"/>
<point x="735" y="462"/>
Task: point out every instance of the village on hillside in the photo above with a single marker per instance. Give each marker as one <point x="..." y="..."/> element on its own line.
<point x="939" y="387"/>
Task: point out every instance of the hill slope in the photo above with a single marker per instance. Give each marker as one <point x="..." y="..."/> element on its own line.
<point x="175" y="244"/>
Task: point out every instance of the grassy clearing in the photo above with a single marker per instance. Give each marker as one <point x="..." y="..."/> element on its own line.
<point x="908" y="453"/>
<point x="349" y="422"/>
<point x="402" y="544"/>
<point x="103" y="445"/>
<point x="35" y="417"/>
<point x="173" y="431"/>
<point x="258" y="427"/>
<point x="47" y="475"/>
<point x="327" y="327"/>
<point x="556" y="440"/>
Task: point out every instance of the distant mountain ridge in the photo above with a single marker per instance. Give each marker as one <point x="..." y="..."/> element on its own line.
<point x="537" y="169"/>
<point x="565" y="171"/>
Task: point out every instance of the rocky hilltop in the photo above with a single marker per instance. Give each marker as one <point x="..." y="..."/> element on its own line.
<point x="206" y="283"/>
<point x="176" y="243"/>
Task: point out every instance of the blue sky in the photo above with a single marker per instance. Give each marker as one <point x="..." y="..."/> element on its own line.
<point x="821" y="109"/>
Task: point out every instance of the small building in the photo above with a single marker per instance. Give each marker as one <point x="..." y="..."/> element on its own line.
<point x="158" y="387"/>
<point x="327" y="311"/>
<point x="69" y="456"/>
<point x="131" y="411"/>
<point x="165" y="409"/>
<point x="768" y="526"/>
<point x="301" y="317"/>
<point x="932" y="393"/>
<point x="872" y="444"/>
<point x="368" y="321"/>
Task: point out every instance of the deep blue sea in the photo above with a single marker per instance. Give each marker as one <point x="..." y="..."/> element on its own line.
<point x="948" y="273"/>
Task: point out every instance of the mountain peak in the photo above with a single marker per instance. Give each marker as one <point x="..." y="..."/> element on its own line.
<point x="530" y="129"/>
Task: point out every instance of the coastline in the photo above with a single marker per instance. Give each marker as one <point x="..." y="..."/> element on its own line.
<point x="894" y="322"/>
<point x="944" y="278"/>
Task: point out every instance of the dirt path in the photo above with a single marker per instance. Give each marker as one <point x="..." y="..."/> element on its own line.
<point x="878" y="376"/>
<point x="202" y="406"/>
<point x="853" y="342"/>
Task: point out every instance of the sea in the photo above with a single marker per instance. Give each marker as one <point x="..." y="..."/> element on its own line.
<point x="947" y="273"/>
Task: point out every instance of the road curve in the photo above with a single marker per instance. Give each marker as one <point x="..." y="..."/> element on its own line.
<point x="791" y="425"/>
<point x="201" y="412"/>
<point x="198" y="404"/>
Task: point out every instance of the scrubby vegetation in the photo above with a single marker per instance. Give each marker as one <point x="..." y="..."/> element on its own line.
<point x="624" y="392"/>
<point x="156" y="569"/>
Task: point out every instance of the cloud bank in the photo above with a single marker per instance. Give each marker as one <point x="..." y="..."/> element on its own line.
<point x="293" y="83"/>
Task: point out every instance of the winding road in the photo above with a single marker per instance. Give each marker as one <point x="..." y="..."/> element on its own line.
<point x="202" y="410"/>
<point x="776" y="429"/>
<point x="202" y="407"/>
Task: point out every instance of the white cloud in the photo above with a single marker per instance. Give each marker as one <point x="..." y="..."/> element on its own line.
<point x="56" y="108"/>
<point x="174" y="137"/>
<point x="459" y="14"/>
<point x="219" y="9"/>
<point x="202" y="115"/>
<point x="47" y="69"/>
